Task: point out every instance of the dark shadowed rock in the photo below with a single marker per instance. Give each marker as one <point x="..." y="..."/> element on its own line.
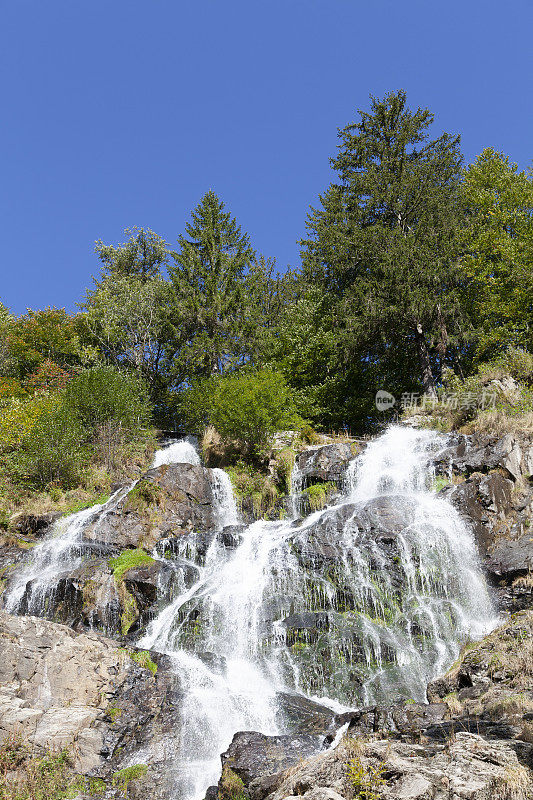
<point x="253" y="755"/>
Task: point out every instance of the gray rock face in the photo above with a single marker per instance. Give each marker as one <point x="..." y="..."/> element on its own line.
<point x="82" y="691"/>
<point x="493" y="492"/>
<point x="468" y="768"/>
<point x="169" y="501"/>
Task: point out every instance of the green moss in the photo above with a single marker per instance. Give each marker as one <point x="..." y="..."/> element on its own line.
<point x="142" y="657"/>
<point x="97" y="787"/>
<point x="317" y="494"/>
<point x="231" y="786"/>
<point x="440" y="483"/>
<point x="143" y="496"/>
<point x="284" y="465"/>
<point x="113" y="712"/>
<point x="79" y="505"/>
<point x="125" y="776"/>
<point x="130" y="613"/>
<point x="129" y="559"/>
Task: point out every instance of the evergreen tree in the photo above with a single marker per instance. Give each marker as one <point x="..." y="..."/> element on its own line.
<point x="208" y="278"/>
<point x="384" y="243"/>
<point x="499" y="253"/>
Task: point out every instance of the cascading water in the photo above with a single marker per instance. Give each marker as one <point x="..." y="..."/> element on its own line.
<point x="365" y="601"/>
<point x="62" y="552"/>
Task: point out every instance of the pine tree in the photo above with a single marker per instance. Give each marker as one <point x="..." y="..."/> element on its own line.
<point x="208" y="277"/>
<point x="384" y="243"/>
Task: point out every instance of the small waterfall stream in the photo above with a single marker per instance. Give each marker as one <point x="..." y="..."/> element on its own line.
<point x="362" y="602"/>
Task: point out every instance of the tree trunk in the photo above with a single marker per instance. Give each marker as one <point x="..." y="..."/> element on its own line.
<point x="426" y="373"/>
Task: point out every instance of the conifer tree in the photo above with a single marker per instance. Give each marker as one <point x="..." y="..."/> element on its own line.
<point x="384" y="242"/>
<point x="208" y="277"/>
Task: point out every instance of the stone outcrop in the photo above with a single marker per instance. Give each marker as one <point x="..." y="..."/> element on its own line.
<point x="491" y="485"/>
<point x="169" y="501"/>
<point x="326" y="463"/>
<point x="84" y="692"/>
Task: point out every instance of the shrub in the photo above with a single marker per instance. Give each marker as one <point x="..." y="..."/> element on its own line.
<point x="54" y="450"/>
<point x="365" y="780"/>
<point x="111" y="405"/>
<point x="104" y="394"/>
<point x="246" y="406"/>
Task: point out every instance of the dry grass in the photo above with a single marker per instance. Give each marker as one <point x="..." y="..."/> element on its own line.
<point x="499" y="423"/>
<point x="514" y="784"/>
<point x="523" y="581"/>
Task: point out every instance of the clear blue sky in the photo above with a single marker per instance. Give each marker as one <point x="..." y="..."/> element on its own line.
<point x="118" y="113"/>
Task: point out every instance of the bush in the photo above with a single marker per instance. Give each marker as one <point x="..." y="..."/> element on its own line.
<point x="104" y="394"/>
<point x="248" y="407"/>
<point x="111" y="405"/>
<point x="54" y="450"/>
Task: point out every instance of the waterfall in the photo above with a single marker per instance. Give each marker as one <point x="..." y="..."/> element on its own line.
<point x="365" y="601"/>
<point x="62" y="552"/>
<point x="362" y="602"/>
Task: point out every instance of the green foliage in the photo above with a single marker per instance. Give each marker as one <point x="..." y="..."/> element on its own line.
<point x="129" y="559"/>
<point x="128" y="318"/>
<point x="253" y="486"/>
<point x="230" y="786"/>
<point x="498" y="256"/>
<point x="245" y="406"/>
<point x="284" y="466"/>
<point x="103" y="395"/>
<point x="383" y="245"/>
<point x="130" y="611"/>
<point x="54" y="449"/>
<point x="143" y="496"/>
<point x="142" y="658"/>
<point x="317" y="494"/>
<point x="208" y="278"/>
<point x="25" y="776"/>
<point x="125" y="776"/>
<point x="142" y="256"/>
<point x="365" y="781"/>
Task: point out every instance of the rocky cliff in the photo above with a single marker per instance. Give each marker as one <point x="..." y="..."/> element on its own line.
<point x="72" y="677"/>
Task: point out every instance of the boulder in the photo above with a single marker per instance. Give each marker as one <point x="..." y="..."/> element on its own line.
<point x="324" y="464"/>
<point x="170" y="501"/>
<point x="253" y="755"/>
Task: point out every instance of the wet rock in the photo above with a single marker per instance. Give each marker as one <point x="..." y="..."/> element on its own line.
<point x="303" y="715"/>
<point x="324" y="464"/>
<point x="253" y="755"/>
<point x="33" y="524"/>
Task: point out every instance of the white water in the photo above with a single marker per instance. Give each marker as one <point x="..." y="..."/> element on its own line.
<point x="389" y="639"/>
<point x="181" y="452"/>
<point x="60" y="553"/>
<point x="389" y="578"/>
